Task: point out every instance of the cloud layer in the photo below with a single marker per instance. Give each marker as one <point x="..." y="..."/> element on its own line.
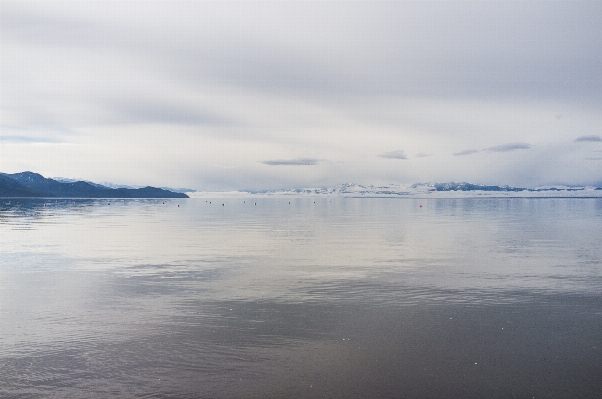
<point x="216" y="95"/>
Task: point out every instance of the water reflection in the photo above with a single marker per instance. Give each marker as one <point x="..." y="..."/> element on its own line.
<point x="337" y="298"/>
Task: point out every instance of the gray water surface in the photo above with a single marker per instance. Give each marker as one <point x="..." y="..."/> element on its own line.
<point x="322" y="297"/>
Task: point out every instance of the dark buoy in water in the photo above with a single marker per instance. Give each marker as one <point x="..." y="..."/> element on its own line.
<point x="256" y="203"/>
<point x="178" y="205"/>
<point x="109" y="203"/>
<point x="421" y="206"/>
<point x="222" y="204"/>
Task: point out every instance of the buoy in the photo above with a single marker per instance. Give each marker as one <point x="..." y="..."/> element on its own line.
<point x="421" y="206"/>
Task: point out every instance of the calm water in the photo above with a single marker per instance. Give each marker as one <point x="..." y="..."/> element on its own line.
<point x="341" y="298"/>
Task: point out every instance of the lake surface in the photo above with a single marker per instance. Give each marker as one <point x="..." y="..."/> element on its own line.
<point x="316" y="298"/>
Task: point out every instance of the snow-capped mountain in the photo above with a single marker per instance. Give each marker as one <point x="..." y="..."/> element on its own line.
<point x="436" y="190"/>
<point x="105" y="184"/>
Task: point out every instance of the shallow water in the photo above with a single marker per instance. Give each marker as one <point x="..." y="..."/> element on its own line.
<point x="322" y="297"/>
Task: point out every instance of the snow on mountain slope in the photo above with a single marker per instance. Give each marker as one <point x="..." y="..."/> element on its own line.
<point x="421" y="190"/>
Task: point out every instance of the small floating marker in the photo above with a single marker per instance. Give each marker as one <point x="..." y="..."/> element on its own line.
<point x="256" y="203"/>
<point x="109" y="203"/>
<point x="222" y="204"/>
<point x="178" y="205"/>
<point x="421" y="206"/>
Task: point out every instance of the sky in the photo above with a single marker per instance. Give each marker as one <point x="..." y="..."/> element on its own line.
<point x="220" y="96"/>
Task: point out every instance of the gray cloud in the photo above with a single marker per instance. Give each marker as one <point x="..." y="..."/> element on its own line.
<point x="297" y="161"/>
<point x="420" y="52"/>
<point x="398" y="154"/>
<point x="144" y="111"/>
<point x="230" y="83"/>
<point x="592" y="138"/>
<point x="509" y="147"/>
<point x="465" y="152"/>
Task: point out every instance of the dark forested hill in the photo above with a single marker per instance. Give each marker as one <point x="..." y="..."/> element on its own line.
<point x="29" y="184"/>
<point x="12" y="188"/>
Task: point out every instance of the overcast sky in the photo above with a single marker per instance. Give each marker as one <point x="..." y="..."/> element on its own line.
<point x="265" y="95"/>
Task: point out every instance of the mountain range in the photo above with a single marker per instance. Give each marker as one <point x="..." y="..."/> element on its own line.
<point x="113" y="185"/>
<point x="435" y="190"/>
<point x="29" y="184"/>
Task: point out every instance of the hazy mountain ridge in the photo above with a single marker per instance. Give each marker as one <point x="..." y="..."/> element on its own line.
<point x="105" y="184"/>
<point x="29" y="184"/>
<point x="451" y="189"/>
